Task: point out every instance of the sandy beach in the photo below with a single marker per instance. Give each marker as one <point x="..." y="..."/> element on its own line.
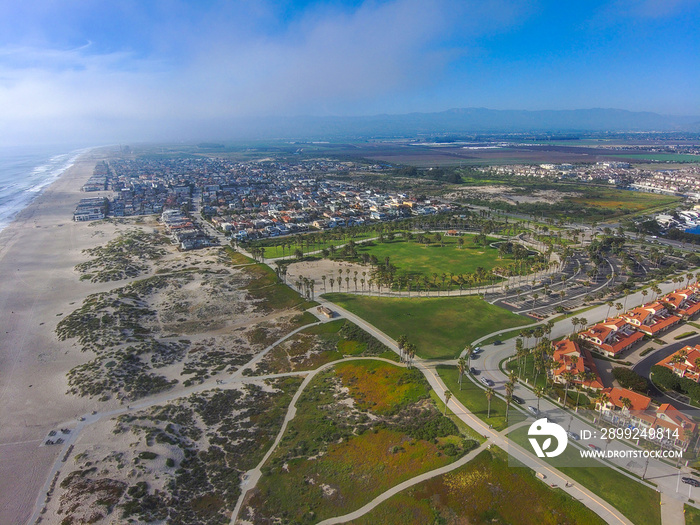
<point x="38" y="252"/>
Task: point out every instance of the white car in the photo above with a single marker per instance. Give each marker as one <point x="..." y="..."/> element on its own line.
<point x="486" y="381"/>
<point x="533" y="411"/>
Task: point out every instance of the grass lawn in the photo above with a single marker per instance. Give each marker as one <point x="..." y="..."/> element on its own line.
<point x="486" y="490"/>
<point x="474" y="398"/>
<point x="439" y="326"/>
<point x="417" y="260"/>
<point x="334" y="457"/>
<point x="615" y="488"/>
<point x="692" y="515"/>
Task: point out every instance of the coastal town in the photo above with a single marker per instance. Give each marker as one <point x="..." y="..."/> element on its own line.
<point x="247" y="201"/>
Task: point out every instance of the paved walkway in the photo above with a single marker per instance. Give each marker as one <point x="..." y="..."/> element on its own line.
<point x="251" y="478"/>
<point x="672" y="512"/>
<point x="405" y="485"/>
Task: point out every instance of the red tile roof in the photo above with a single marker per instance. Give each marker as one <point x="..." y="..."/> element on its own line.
<point x="639" y="402"/>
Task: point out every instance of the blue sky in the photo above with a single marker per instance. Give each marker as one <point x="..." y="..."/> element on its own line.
<point x="139" y="69"/>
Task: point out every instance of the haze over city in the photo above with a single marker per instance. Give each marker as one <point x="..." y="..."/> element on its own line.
<point x="95" y="72"/>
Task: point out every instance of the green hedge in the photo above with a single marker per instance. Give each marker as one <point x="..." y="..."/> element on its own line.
<point x="630" y="379"/>
<point x="665" y="378"/>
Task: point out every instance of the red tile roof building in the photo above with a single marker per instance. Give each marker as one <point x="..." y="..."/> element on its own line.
<point x="612" y="336"/>
<point x="572" y="358"/>
<point x="684" y="302"/>
<point x="616" y="395"/>
<point x="684" y="362"/>
<point x="651" y="318"/>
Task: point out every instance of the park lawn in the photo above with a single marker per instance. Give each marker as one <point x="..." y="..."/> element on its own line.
<point x="474" y="399"/>
<point x="692" y="515"/>
<point x="440" y="327"/>
<point x="417" y="260"/>
<point x="612" y="486"/>
<point x="484" y="491"/>
<point x="333" y="459"/>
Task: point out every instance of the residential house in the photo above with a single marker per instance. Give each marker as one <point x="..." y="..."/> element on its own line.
<point x="612" y="337"/>
<point x="684" y="362"/>
<point x="684" y="302"/>
<point x="652" y="318"/>
<point x="570" y="357"/>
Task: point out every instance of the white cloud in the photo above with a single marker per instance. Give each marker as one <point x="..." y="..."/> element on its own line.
<point x="229" y="63"/>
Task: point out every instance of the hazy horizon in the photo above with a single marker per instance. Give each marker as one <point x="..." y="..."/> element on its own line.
<point x="184" y="70"/>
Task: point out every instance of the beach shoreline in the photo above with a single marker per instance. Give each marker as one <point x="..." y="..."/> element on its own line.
<point x="38" y="253"/>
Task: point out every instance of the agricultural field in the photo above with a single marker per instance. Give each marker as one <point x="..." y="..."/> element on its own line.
<point x="663" y="157"/>
<point x="486" y="490"/>
<point x="440" y="327"/>
<point x="317" y="345"/>
<point x="360" y="428"/>
<point x="179" y="462"/>
<point x="610" y="485"/>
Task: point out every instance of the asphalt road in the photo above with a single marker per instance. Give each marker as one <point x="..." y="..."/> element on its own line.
<point x="643" y="368"/>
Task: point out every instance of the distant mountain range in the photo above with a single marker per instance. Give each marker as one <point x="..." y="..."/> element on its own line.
<point x="473" y="120"/>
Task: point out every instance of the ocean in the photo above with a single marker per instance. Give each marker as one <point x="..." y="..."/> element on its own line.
<point x="26" y="171"/>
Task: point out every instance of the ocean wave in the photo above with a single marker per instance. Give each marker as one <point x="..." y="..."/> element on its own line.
<point x="23" y="178"/>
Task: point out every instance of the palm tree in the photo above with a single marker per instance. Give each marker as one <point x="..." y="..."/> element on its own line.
<point x="401" y="342"/>
<point x="448" y="396"/>
<point x="509" y="399"/>
<point x="468" y="351"/>
<point x="568" y="376"/>
<point x="462" y="367"/>
<point x="539" y="392"/>
<point x="490" y="392"/>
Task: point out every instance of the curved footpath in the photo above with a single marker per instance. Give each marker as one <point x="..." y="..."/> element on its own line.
<point x="251" y="478"/>
<point x="554" y="477"/>
<point x="223" y="382"/>
<point x="662" y="474"/>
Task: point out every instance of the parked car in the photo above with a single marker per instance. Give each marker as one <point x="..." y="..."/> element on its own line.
<point x="476" y="351"/>
<point x="533" y="411"/>
<point x="486" y="381"/>
<point x="691" y="481"/>
<point x="573" y="435"/>
<point x="498" y="342"/>
<point x="474" y="371"/>
<point x="518" y="400"/>
<point x="594" y="447"/>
